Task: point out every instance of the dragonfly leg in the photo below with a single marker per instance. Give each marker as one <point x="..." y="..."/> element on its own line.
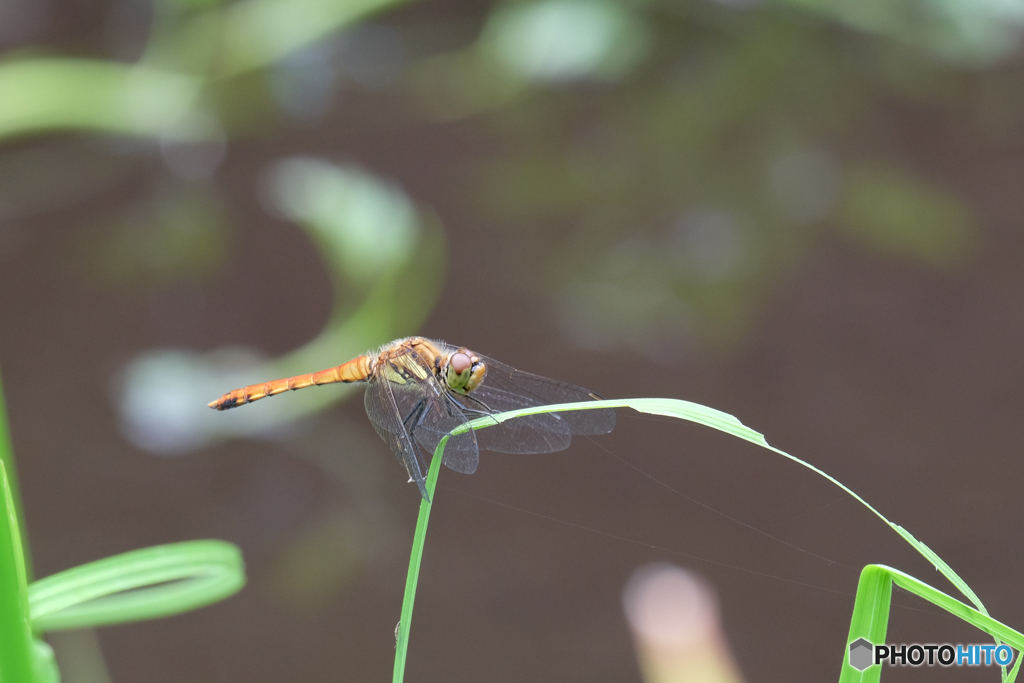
<point x="466" y="409"/>
<point x="482" y="411"/>
<point x="417" y="412"/>
<point x="415" y="468"/>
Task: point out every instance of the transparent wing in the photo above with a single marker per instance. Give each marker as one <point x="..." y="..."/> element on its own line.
<point x="384" y="415"/>
<point x="461" y="452"/>
<point x="506" y="388"/>
<point x="425" y="413"/>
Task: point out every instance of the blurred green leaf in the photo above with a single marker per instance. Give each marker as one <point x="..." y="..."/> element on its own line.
<point x="259" y="32"/>
<point x="896" y="213"/>
<point x="179" y="235"/>
<point x="57" y="173"/>
<point x="42" y="95"/>
<point x="965" y="32"/>
<point x="362" y="224"/>
<point x="565" y="40"/>
<point x="315" y="566"/>
<point x="197" y="4"/>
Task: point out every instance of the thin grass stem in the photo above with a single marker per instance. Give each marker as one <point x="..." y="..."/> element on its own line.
<point x="415" y="560"/>
<point x="16" y="654"/>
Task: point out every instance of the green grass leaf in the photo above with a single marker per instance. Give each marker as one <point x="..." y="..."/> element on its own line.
<point x="723" y="422"/>
<point x="871" y="615"/>
<point x="871" y="610"/>
<point x="16" y="651"/>
<point x="141" y="584"/>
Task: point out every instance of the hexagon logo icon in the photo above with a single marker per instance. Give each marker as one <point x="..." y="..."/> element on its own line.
<point x="861" y="654"/>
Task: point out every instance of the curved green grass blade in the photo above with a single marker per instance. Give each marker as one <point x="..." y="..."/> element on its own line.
<point x="875" y="589"/>
<point x="724" y="422"/>
<point x="137" y="585"/>
<point x="976" y="618"/>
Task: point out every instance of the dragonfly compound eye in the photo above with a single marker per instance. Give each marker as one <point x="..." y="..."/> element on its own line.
<point x="465" y="372"/>
<point x="461" y="362"/>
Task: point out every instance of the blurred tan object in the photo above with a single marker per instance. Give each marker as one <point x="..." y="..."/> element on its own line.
<point x="673" y="615"/>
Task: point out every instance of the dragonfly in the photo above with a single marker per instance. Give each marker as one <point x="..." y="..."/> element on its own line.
<point x="419" y="390"/>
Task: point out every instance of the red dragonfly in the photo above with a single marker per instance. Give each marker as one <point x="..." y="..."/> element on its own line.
<point x="418" y="390"/>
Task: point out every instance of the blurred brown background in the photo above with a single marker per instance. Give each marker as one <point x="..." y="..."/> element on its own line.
<point x="805" y="213"/>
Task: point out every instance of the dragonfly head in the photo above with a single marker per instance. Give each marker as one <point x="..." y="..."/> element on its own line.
<point x="464" y="371"/>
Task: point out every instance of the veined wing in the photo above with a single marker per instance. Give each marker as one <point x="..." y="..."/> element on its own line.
<point x="383" y="412"/>
<point x="506" y="388"/>
<point x="425" y="413"/>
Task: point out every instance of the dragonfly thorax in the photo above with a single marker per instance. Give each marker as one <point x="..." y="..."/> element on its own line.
<point x="464" y="371"/>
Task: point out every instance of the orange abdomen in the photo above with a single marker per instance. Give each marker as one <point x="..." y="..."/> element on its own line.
<point x="355" y="370"/>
